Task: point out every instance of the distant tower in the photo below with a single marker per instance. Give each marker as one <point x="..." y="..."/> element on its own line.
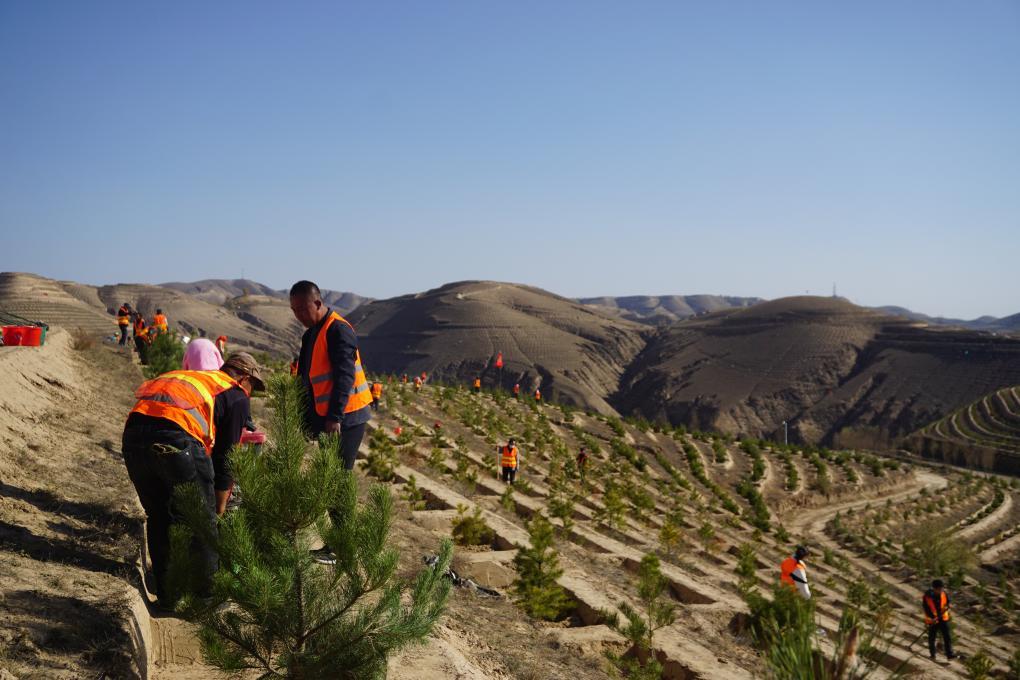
<point x="834" y="289"/>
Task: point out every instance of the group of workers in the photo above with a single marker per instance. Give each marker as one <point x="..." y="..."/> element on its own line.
<point x="145" y="333"/>
<point x="185" y="422"/>
<point x="934" y="602"/>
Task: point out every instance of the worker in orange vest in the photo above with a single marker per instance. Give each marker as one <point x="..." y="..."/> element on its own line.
<point x="221" y="344"/>
<point x="509" y="460"/>
<point x="478" y="384"/>
<point x="417" y="384"/>
<point x="793" y="572"/>
<point x="142" y="339"/>
<point x="294" y="366"/>
<point x="376" y="394"/>
<point x="179" y="432"/>
<point x="935" y="603"/>
<point x="159" y="322"/>
<point x="124" y="321"/>
<point x="538" y="395"/>
<point x="517" y="390"/>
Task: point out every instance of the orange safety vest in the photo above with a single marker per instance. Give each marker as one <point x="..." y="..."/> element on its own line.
<point x="321" y="374"/>
<point x="159" y="321"/>
<point x="509" y="457"/>
<point x="787" y="568"/>
<point x="376" y="390"/>
<point x="517" y="389"/>
<point x="185" y="398"/>
<point x="933" y="614"/>
<point x="538" y="395"/>
<point x="478" y="383"/>
<point x="140" y="329"/>
<point x="123" y="317"/>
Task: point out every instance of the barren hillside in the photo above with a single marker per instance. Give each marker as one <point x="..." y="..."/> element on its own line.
<point x="574" y="354"/>
<point x="834" y="371"/>
<point x="665" y="309"/>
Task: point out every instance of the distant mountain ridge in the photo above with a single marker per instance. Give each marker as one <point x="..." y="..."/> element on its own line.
<point x="665" y="309"/>
<point x="218" y="291"/>
<point x="1006" y="324"/>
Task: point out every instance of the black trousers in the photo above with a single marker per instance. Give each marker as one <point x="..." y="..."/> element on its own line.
<point x="123" y="335"/>
<point x="947" y="641"/>
<point x="142" y="349"/>
<point x="509" y="474"/>
<point x="375" y="404"/>
<point x="350" y="442"/>
<point x="159" y="460"/>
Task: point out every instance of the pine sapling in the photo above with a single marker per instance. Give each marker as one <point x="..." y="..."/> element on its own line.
<point x="655" y="611"/>
<point x="538" y="568"/>
<point x="272" y="607"/>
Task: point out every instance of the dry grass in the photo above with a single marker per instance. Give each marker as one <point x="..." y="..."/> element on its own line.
<point x="81" y="339"/>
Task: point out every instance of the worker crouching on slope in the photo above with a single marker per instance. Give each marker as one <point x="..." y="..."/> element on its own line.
<point x="179" y="432"/>
<point x="935" y="603"/>
<point x="509" y="460"/>
<point x="793" y="572"/>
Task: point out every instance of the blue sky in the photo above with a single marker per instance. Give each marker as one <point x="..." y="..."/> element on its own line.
<point x="590" y="148"/>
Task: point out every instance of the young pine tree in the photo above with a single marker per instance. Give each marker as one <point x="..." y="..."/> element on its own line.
<point x="275" y="610"/>
<point x="164" y="354"/>
<point x="538" y="567"/>
<point x="655" y="612"/>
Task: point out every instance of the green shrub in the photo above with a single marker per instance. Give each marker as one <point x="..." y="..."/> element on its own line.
<point x="471" y="529"/>
<point x="538" y="569"/>
<point x="978" y="666"/>
<point x="166" y="353"/>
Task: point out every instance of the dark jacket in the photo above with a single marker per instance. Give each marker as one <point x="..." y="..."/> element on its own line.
<point x="341" y="347"/>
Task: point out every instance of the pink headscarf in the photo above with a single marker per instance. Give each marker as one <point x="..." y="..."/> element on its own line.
<point x="201" y="355"/>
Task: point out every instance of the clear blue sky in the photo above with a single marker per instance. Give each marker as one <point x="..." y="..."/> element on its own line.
<point x="590" y="148"/>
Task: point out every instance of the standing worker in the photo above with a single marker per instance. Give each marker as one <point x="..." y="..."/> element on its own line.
<point x="478" y="385"/>
<point x="179" y="432"/>
<point x="159" y="322"/>
<point x="538" y="395"/>
<point x="935" y="603"/>
<point x="793" y="572"/>
<point x="582" y="463"/>
<point x="517" y="391"/>
<point x="376" y="394"/>
<point x="124" y="321"/>
<point x="509" y="460"/>
<point x="142" y="338"/>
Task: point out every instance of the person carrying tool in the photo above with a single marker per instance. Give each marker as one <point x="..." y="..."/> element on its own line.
<point x="159" y="322"/>
<point x="509" y="460"/>
<point x="793" y="572"/>
<point x="935" y="603"/>
<point x="124" y="322"/>
<point x="477" y="385"/>
<point x="376" y="395"/>
<point x="180" y="431"/>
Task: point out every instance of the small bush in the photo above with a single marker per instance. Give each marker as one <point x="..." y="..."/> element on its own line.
<point x="538" y="568"/>
<point x="471" y="529"/>
<point x="82" y="340"/>
<point x="978" y="666"/>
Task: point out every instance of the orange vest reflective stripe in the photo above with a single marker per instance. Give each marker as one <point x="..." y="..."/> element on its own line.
<point x="185" y="398"/>
<point x="787" y="568"/>
<point x="509" y="458"/>
<point x="930" y="608"/>
<point x="321" y="374"/>
<point x="376" y="390"/>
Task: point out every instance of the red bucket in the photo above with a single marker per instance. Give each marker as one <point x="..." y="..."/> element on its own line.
<point x="22" y="335"/>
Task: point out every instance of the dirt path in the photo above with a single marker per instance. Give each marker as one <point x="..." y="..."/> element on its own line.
<point x="992" y="554"/>
<point x="992" y="518"/>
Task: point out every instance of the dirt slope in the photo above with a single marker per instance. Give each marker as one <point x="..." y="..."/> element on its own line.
<point x="571" y="352"/>
<point x="836" y="372"/>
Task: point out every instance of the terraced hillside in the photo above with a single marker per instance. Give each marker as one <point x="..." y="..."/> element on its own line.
<point x="837" y="373"/>
<point x="731" y="504"/>
<point x="568" y="350"/>
<point x="984" y="434"/>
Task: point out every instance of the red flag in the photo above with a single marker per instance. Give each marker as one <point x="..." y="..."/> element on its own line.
<point x="499" y="360"/>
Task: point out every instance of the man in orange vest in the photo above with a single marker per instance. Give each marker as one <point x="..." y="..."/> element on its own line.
<point x="142" y="339"/>
<point x="159" y="322"/>
<point x="935" y="603"/>
<point x="793" y="572"/>
<point x="376" y="394"/>
<point x="180" y="431"/>
<point x="478" y="385"/>
<point x="517" y="390"/>
<point x="509" y="460"/>
<point x="124" y="321"/>
<point x="330" y="367"/>
<point x="538" y="395"/>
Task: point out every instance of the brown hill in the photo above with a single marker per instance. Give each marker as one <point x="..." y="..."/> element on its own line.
<point x="836" y="372"/>
<point x="575" y="354"/>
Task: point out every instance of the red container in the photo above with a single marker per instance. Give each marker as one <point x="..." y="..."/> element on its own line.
<point x="255" y="438"/>
<point x="30" y="336"/>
